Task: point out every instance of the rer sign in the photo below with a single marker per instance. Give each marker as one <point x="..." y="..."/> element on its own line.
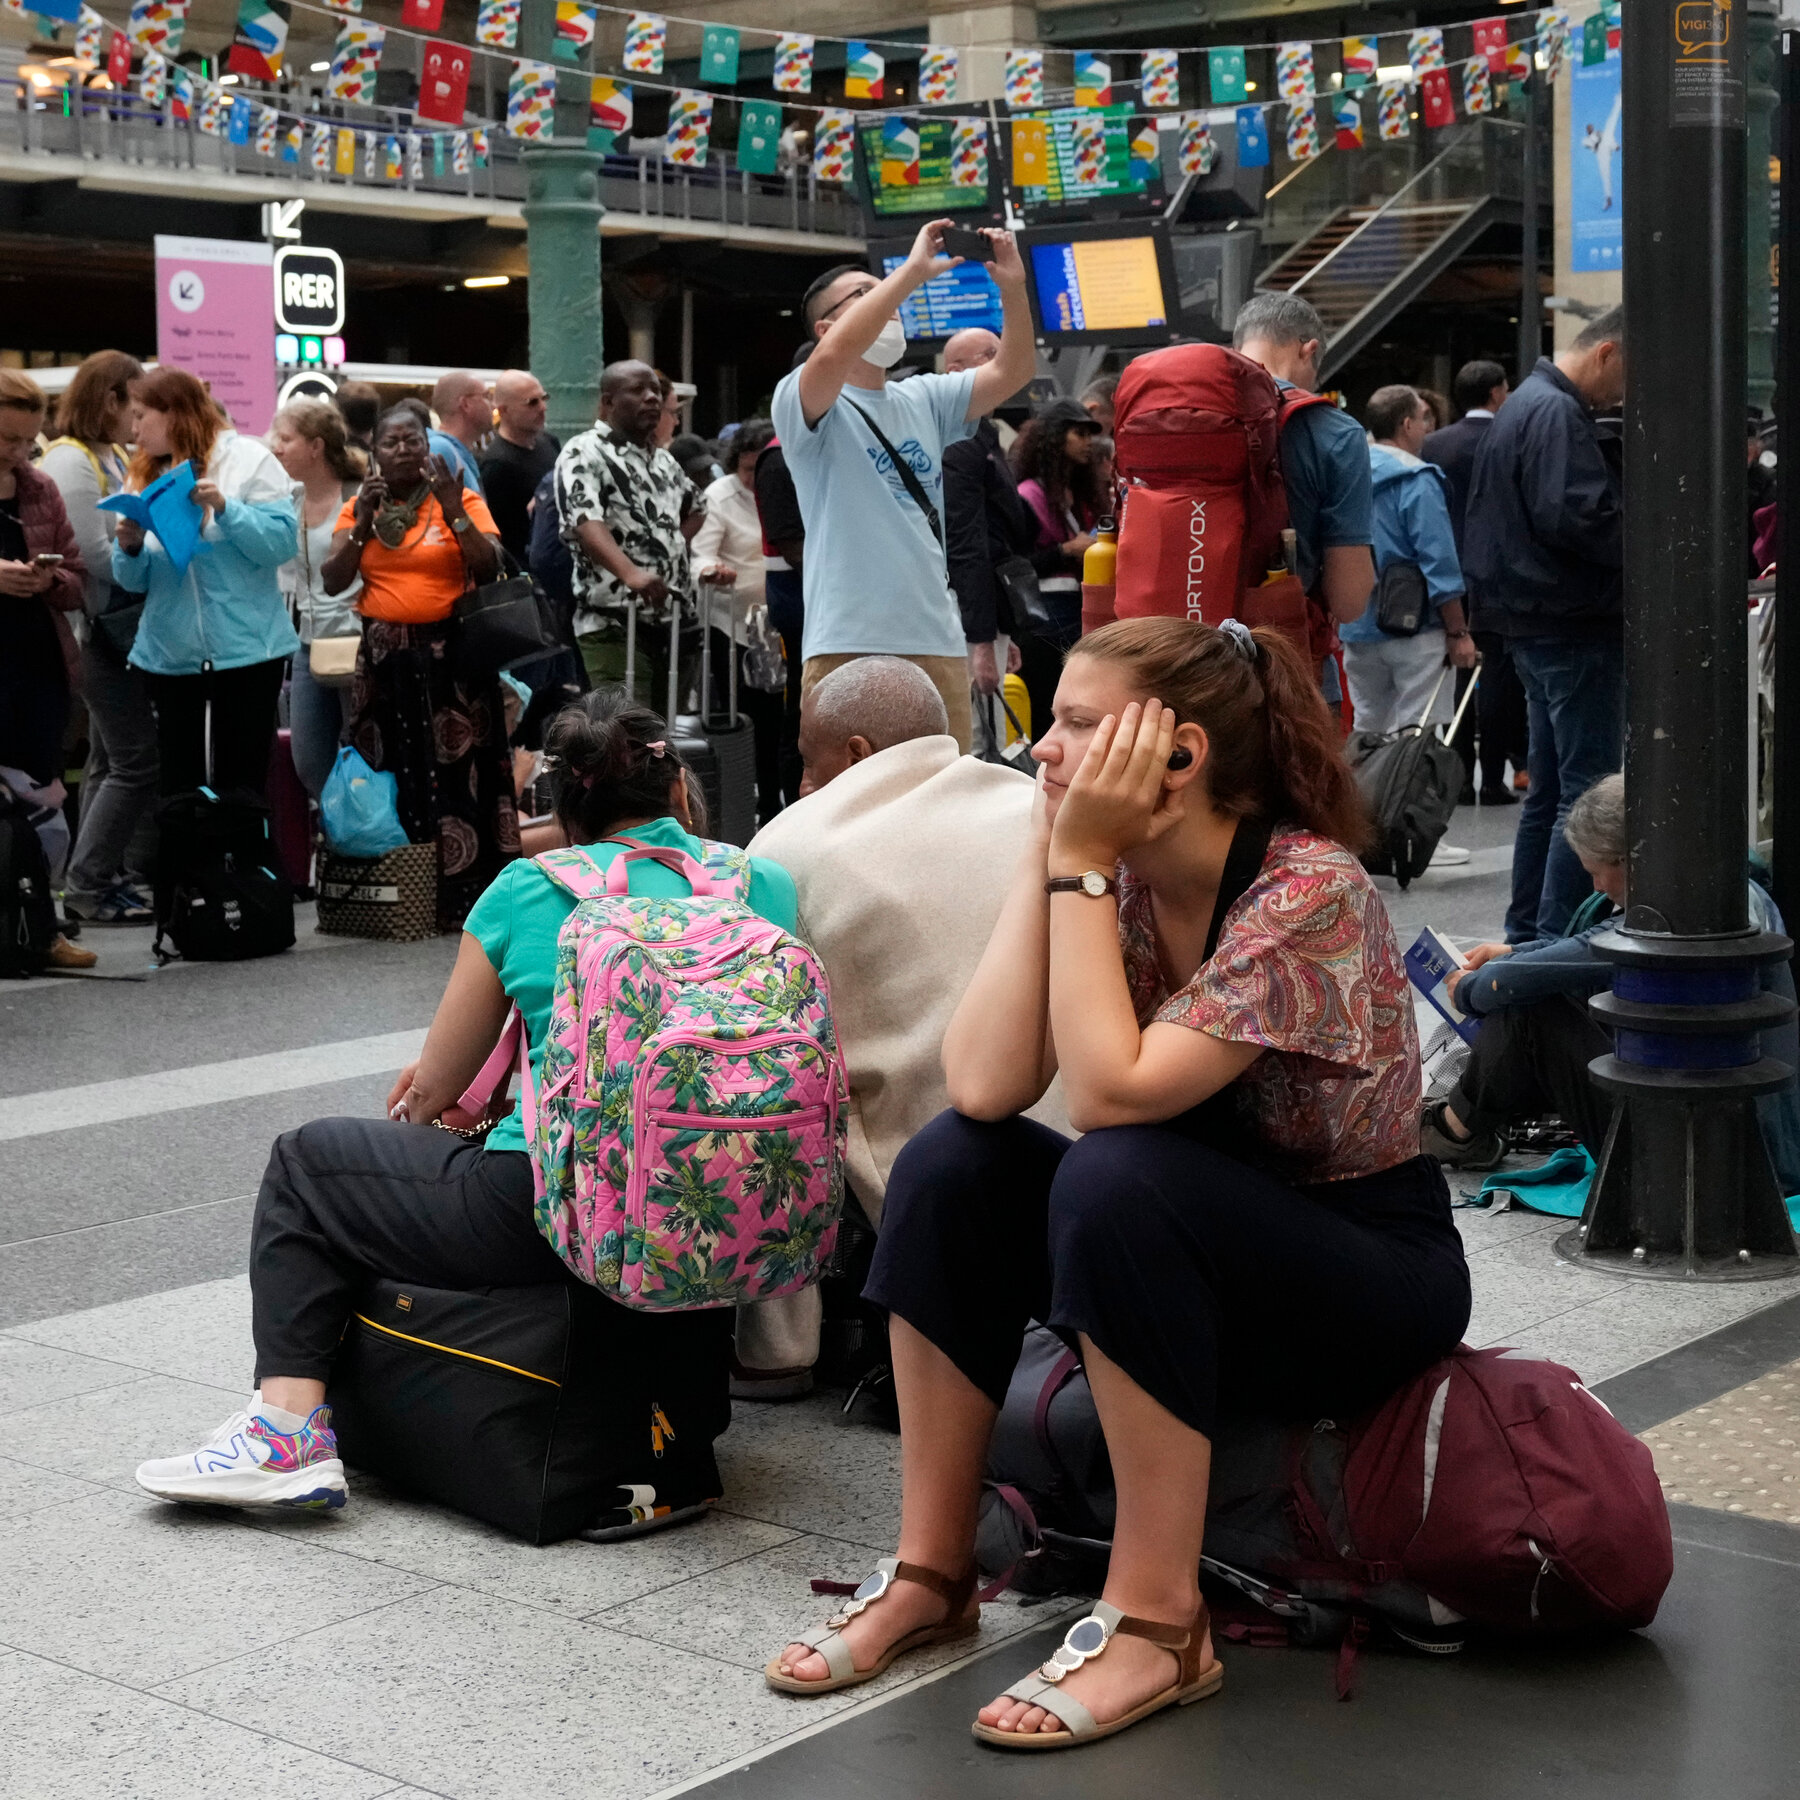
<point x="309" y="290"/>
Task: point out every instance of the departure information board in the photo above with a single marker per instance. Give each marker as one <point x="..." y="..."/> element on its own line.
<point x="1106" y="284"/>
<point x="966" y="296"/>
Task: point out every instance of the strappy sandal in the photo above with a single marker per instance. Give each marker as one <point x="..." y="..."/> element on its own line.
<point x="1087" y="1639"/>
<point x="836" y="1652"/>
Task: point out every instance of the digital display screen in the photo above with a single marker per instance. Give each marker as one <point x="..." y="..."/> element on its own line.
<point x="1099" y="284"/>
<point x="966" y="296"/>
<point x="932" y="192"/>
<point x="1094" y="151"/>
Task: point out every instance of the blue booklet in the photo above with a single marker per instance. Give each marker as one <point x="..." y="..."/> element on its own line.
<point x="1429" y="965"/>
<point x="166" y="508"/>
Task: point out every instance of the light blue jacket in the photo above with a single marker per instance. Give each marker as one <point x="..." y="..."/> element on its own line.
<point x="227" y="607"/>
<point x="1412" y="524"/>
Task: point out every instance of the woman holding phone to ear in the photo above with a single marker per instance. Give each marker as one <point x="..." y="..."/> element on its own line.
<point x="1247" y="1226"/>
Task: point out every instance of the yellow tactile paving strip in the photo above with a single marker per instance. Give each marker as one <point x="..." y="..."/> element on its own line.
<point x="1739" y="1453"/>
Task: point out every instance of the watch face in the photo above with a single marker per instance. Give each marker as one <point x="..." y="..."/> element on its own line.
<point x="1093" y="882"/>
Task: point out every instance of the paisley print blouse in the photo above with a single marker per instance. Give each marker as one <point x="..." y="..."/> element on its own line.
<point x="1307" y="967"/>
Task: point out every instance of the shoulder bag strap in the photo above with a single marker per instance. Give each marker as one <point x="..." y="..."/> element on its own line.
<point x="1243" y="863"/>
<point x="909" y="478"/>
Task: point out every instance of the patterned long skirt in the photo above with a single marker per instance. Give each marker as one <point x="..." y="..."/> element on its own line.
<point x="444" y="739"/>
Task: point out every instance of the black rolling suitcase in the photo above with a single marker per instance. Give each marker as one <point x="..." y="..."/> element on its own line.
<point x="1412" y="780"/>
<point x="546" y="1411"/>
<point x="732" y="740"/>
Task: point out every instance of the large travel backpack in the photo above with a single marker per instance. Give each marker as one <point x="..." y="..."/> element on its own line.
<point x="27" y="905"/>
<point x="1198" y="432"/>
<point x="688" y="1121"/>
<point x="1493" y="1489"/>
<point x="1412" y="780"/>
<point x="220" y="893"/>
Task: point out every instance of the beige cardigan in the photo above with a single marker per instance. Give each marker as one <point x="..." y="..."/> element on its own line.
<point x="902" y="864"/>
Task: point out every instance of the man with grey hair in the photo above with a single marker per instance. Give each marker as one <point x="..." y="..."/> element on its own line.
<point x="901" y="850"/>
<point x="464" y="417"/>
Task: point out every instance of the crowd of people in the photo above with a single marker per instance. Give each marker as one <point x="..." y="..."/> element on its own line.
<point x="1129" y="1047"/>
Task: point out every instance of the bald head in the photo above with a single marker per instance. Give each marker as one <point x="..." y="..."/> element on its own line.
<point x="969" y="349"/>
<point x="461" y="404"/>
<point x="868" y="705"/>
<point x="519" y="405"/>
<point x="631" y="400"/>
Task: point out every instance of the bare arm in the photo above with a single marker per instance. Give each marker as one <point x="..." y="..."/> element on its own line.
<point x="467" y="1027"/>
<point x="1347" y="580"/>
<point x="603" y="548"/>
<point x="1000" y="379"/>
<point x="343" y="562"/>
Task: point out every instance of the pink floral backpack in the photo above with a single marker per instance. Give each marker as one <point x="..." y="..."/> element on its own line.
<point x="687" y="1124"/>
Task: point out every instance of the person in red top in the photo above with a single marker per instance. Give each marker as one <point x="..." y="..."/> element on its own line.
<point x="1247" y="1225"/>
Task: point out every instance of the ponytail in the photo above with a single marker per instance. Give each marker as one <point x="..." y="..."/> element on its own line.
<point x="611" y="762"/>
<point x="1275" y="748"/>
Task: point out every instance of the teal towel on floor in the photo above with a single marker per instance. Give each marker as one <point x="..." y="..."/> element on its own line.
<point x="1560" y="1186"/>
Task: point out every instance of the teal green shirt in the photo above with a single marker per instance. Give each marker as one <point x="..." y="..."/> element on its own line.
<point x="517" y="922"/>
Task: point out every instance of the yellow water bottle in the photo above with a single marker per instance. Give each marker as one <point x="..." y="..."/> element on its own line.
<point x="1099" y="576"/>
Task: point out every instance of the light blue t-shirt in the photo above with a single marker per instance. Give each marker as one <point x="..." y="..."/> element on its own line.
<point x="875" y="579"/>
<point x="459" y="456"/>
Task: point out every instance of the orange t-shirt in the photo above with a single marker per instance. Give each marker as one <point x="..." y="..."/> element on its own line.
<point x="420" y="582"/>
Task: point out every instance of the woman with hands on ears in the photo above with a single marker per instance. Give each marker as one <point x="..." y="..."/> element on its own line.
<point x="1248" y="1225"/>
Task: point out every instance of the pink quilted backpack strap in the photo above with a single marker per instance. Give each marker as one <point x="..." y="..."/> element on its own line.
<point x="725" y="876"/>
<point x="511" y="1048"/>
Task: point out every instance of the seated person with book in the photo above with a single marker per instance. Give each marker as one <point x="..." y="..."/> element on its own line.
<point x="1537" y="1036"/>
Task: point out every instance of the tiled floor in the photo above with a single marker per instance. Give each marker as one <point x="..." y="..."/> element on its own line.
<point x="1739" y="1453"/>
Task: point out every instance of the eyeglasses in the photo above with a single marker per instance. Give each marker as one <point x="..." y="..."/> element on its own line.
<point x="839" y="307"/>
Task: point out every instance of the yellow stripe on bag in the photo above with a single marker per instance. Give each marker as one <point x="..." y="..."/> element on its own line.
<point x="389" y="1331"/>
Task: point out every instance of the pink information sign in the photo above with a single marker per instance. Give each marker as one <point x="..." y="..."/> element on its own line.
<point x="215" y="317"/>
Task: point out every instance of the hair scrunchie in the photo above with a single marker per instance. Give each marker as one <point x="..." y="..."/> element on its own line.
<point x="1238" y="635"/>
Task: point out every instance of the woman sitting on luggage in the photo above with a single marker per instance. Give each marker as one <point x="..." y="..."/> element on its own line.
<point x="349" y="1200"/>
<point x="1247" y="1226"/>
<point x="419" y="539"/>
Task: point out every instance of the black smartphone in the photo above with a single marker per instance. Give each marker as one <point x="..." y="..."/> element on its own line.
<point x="959" y="240"/>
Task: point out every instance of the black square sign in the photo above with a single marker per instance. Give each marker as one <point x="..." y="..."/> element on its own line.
<point x="309" y="289"/>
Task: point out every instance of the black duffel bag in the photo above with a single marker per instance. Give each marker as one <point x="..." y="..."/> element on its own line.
<point x="220" y="893"/>
<point x="1412" y="780"/>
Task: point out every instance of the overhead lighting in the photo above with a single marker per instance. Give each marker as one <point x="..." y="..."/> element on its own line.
<point x="478" y="281"/>
<point x="1249" y="87"/>
<point x="321" y="68"/>
<point x="228" y="81"/>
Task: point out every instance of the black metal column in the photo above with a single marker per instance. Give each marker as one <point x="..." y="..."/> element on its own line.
<point x="1684" y="1188"/>
<point x="1785" y="776"/>
<point x="1531" y="302"/>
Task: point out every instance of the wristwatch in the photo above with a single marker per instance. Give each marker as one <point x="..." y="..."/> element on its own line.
<point x="461" y="523"/>
<point x="1090" y="882"/>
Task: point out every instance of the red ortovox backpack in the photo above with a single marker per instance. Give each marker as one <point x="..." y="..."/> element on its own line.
<point x="1197" y="429"/>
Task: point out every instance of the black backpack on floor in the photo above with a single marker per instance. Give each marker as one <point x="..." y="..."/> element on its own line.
<point x="1412" y="780"/>
<point x="27" y="908"/>
<point x="220" y="892"/>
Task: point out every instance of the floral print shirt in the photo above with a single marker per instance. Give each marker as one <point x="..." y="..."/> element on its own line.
<point x="1306" y="966"/>
<point x="640" y="495"/>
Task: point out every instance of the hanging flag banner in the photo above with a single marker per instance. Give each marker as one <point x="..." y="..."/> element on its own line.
<point x="937" y="75"/>
<point x="212" y="102"/>
<point x="646" y="34"/>
<point x="459" y="153"/>
<point x="478" y="146"/>
<point x="719" y="55"/>
<point x="1518" y="63"/>
<point x="1087" y="143"/>
<point x="243" y="110"/>
<point x="444" y="81"/>
<point x="64" y="12"/>
<point x="422" y="15"/>
<point x="968" y="153"/>
<point x="181" y="95"/>
<point x="1490" y="44"/>
<point x="574" y="31"/>
<point x="153" y="80"/>
<point x="793" y="64"/>
<point x="1030" y="153"/>
<point x="899" y="153"/>
<point x="371" y="144"/>
<point x="268" y="130"/>
<point x="1553" y="40"/>
<point x="391" y="165"/>
<point x="437" y="156"/>
<point x="1093" y="80"/>
<point x="759" y="137"/>
<point x="1360" y="61"/>
<point x="318" y="152"/>
<point x="690" y="129"/>
<point x="118" y="60"/>
<point x="609" y="112"/>
<point x="292" y="144"/>
<point x="864" y="71"/>
<point x="1478" y="87"/>
<point x="415" y="157"/>
<point x="1302" y="132"/>
<point x="1425" y="49"/>
<point x="1225" y="75"/>
<point x="158" y="25"/>
<point x="1393" y="117"/>
<point x="1252" y="138"/>
<point x="1439" y="106"/>
<point x="1346" y="121"/>
<point x="1146" y="153"/>
<point x="1024" y="78"/>
<point x="90" y="28"/>
<point x="1294" y="72"/>
<point x="834" y="147"/>
<point x="1159" y="78"/>
<point x="1593" y="39"/>
<point x="345" y="160"/>
<point x="344" y="6"/>
<point x="531" y="100"/>
<point x="354" y="62"/>
<point x="497" y="23"/>
<point x="1196" y="150"/>
<point x="260" y="40"/>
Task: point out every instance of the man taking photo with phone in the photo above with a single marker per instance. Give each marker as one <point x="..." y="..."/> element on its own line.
<point x="867" y="459"/>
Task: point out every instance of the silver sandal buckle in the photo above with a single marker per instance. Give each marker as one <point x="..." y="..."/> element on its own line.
<point x="870" y="1589"/>
<point x="1085" y="1640"/>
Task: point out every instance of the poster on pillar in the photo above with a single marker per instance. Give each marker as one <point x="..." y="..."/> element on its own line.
<point x="1596" y="222"/>
<point x="215" y="317"/>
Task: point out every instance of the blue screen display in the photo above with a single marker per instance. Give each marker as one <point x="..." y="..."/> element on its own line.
<point x="1058" y="290"/>
<point x="965" y="296"/>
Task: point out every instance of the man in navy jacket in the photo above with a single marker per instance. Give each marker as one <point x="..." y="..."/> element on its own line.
<point x="1544" y="549"/>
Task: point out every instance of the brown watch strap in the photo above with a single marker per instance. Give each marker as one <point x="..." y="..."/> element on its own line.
<point x="1077" y="884"/>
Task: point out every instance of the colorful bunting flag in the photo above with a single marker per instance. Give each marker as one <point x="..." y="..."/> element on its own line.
<point x="1593" y="39"/>
<point x="497" y="23"/>
<point x="864" y="71"/>
<point x="531" y="100"/>
<point x="1024" y="78"/>
<point x="834" y="147"/>
<point x="1425" y="49"/>
<point x="1490" y="44"/>
<point x="118" y="60"/>
<point x="1302" y="132"/>
<point x="1553" y="40"/>
<point x="207" y="119"/>
<point x="1146" y="152"/>
<point x="1478" y="87"/>
<point x="645" y="36"/>
<point x="268" y="130"/>
<point x="158" y="25"/>
<point x="345" y="6"/>
<point x="1225" y="75"/>
<point x="1439" y="106"/>
<point x="1294" y="72"/>
<point x="574" y="31"/>
<point x="354" y="62"/>
<point x="415" y="157"/>
<point x="1360" y="59"/>
<point x="344" y="162"/>
<point x="444" y="81"/>
<point x="1518" y="63"/>
<point x="371" y="149"/>
<point x="422" y="15"/>
<point x="153" y="79"/>
<point x="968" y="153"/>
<point x="794" y="63"/>
<point x="459" y="153"/>
<point x="1159" y="78"/>
<point x="719" y="55"/>
<point x="478" y="146"/>
<point x="609" y="112"/>
<point x="293" y="143"/>
<point x="1346" y="120"/>
<point x="318" y="153"/>
<point x="759" y="137"/>
<point x="437" y="156"/>
<point x="899" y="152"/>
<point x="89" y="29"/>
<point x="1393" y="117"/>
<point x="391" y="165"/>
<point x="181" y="94"/>
<point x="1087" y="143"/>
<point x="1093" y="79"/>
<point x="690" y="128"/>
<point x="60" y="12"/>
<point x="243" y="114"/>
<point x="1252" y="138"/>
<point x="937" y="75"/>
<point x="1196" y="150"/>
<point x="260" y="39"/>
<point x="1030" y="153"/>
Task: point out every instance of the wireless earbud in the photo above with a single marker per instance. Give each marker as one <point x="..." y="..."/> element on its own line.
<point x="1182" y="757"/>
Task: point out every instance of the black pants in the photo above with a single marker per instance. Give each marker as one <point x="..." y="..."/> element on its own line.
<point x="1532" y="1060"/>
<point x="34" y="692"/>
<point x="787" y="613"/>
<point x="1213" y="1286"/>
<point x="1497" y="717"/>
<point x="1041" y="656"/>
<point x="243" y="726"/>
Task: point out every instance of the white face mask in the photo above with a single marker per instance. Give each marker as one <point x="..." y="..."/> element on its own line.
<point x="889" y="345"/>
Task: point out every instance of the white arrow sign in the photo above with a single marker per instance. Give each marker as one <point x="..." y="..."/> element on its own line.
<point x="281" y="218"/>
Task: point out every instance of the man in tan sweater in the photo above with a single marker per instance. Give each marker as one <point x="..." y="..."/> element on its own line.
<point x="901" y="850"/>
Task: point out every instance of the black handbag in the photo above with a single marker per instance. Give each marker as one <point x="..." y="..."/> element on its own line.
<point x="1402" y="603"/>
<point x="118" y="623"/>
<point x="502" y="623"/>
<point x="1018" y="581"/>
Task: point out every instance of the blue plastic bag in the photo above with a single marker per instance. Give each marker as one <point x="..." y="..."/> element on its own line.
<point x="361" y="808"/>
